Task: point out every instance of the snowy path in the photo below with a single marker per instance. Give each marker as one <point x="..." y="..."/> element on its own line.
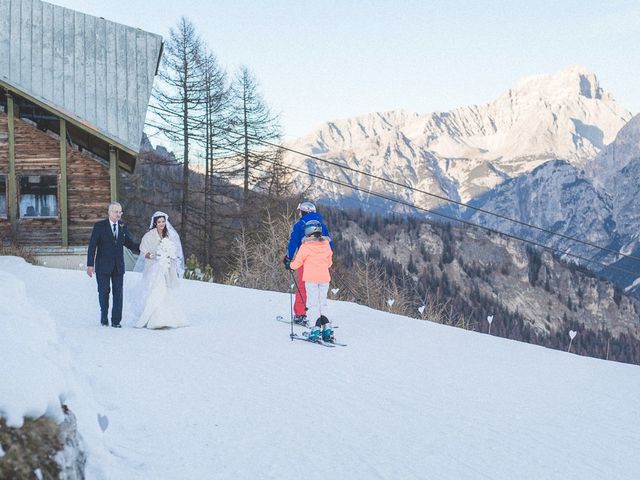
<point x="231" y="397"/>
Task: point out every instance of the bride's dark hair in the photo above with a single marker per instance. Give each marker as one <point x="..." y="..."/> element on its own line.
<point x="165" y="230"/>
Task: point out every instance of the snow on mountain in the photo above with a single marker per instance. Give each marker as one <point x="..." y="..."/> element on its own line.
<point x="617" y="155"/>
<point x="467" y="151"/>
<point x="232" y="397"/>
<point x="616" y="171"/>
<point x="558" y="197"/>
<point x="597" y="204"/>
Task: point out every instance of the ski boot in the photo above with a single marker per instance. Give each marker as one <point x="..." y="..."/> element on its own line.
<point x="300" y="320"/>
<point x="327" y="333"/>
<point x="327" y="330"/>
<point x="315" y="334"/>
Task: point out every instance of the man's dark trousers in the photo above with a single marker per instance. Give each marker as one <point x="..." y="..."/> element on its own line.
<point x="106" y="281"/>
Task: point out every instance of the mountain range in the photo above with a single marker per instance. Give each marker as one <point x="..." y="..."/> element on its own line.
<point x="467" y="151"/>
<point x="555" y="151"/>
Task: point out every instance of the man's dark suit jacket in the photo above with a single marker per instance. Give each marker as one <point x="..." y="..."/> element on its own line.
<point x="105" y="253"/>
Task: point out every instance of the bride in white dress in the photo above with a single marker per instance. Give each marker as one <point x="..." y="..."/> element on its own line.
<point x="161" y="262"/>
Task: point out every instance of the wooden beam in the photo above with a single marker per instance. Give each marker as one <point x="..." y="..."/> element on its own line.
<point x="113" y="172"/>
<point x="12" y="194"/>
<point x="64" y="213"/>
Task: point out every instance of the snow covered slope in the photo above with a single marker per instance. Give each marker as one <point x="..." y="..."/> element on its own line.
<point x="231" y="397"/>
<point x="465" y="152"/>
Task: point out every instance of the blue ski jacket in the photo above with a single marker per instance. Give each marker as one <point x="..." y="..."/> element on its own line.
<point x="297" y="232"/>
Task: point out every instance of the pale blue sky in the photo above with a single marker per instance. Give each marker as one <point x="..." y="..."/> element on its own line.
<point x="320" y="61"/>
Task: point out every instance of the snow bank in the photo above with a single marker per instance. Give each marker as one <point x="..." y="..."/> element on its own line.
<point x="32" y="362"/>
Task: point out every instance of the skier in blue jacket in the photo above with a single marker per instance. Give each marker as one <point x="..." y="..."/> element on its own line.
<point x="307" y="212"/>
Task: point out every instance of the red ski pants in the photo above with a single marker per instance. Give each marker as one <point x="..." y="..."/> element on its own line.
<point x="300" y="306"/>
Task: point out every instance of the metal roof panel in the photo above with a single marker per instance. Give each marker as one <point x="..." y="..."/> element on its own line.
<point x="94" y="70"/>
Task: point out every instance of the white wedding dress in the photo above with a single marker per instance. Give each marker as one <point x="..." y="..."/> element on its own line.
<point x="154" y="301"/>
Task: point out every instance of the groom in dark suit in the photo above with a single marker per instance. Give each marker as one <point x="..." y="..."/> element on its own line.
<point x="105" y="252"/>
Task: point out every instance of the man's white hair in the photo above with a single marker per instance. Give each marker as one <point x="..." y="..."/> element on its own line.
<point x="113" y="205"/>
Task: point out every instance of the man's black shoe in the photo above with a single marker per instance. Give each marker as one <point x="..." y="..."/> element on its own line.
<point x="104" y="324"/>
<point x="117" y="326"/>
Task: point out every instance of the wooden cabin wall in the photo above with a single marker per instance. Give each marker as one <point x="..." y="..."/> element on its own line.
<point x="89" y="195"/>
<point x="5" y="226"/>
<point x="38" y="153"/>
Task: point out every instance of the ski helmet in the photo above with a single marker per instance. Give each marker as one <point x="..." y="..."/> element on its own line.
<point x="312" y="227"/>
<point x="306" y="207"/>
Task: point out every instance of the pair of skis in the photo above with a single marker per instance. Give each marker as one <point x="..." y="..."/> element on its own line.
<point x="305" y="336"/>
<point x="319" y="341"/>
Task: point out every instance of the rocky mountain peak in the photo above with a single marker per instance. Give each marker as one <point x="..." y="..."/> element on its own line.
<point x="470" y="150"/>
<point x="568" y="83"/>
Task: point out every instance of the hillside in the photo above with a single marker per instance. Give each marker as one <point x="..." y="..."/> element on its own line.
<point x="232" y="397"/>
<point x="534" y="296"/>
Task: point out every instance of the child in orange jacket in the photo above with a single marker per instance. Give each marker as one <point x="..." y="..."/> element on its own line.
<point x="316" y="256"/>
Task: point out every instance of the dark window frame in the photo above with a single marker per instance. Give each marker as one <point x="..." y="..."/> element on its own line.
<point x="3" y="185"/>
<point x="36" y="208"/>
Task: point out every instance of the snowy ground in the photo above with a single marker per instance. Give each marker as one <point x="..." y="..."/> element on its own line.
<point x="231" y="397"/>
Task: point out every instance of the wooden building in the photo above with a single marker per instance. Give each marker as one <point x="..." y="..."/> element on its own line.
<point x="74" y="91"/>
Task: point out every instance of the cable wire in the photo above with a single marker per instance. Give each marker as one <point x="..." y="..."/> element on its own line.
<point x="440" y="197"/>
<point x="466" y="222"/>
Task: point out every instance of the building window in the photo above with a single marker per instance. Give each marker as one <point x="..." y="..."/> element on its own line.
<point x="38" y="196"/>
<point x="3" y="196"/>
